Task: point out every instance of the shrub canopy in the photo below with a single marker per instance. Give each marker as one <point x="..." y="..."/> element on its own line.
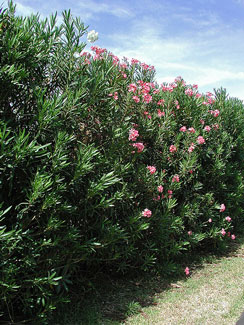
<point x="101" y="168"/>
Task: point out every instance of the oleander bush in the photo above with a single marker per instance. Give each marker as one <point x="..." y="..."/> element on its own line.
<point x="102" y="169"/>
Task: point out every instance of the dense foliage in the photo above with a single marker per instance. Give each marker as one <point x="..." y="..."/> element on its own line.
<point x="101" y="168"/>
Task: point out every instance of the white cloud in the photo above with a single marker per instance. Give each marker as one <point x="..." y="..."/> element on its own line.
<point x="24" y="10"/>
<point x="208" y="53"/>
<point x="93" y="7"/>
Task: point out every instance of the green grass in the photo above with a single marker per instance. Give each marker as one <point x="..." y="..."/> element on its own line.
<point x="212" y="294"/>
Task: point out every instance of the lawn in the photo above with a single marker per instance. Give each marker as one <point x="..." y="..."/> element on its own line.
<point x="212" y="294"/>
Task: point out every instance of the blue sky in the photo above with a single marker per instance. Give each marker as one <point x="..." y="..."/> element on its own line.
<point x="200" y="40"/>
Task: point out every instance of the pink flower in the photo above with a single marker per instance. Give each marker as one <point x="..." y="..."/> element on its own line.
<point x="124" y="65"/>
<point x="133" y="134"/>
<point x="147" y="98"/>
<point x="189" y="232"/>
<point x="136" y="99"/>
<point x="134" y="61"/>
<point x="228" y="219"/>
<point x="200" y="140"/>
<point x="179" y="79"/>
<point x="172" y="148"/>
<point x="208" y="94"/>
<point x="222" y="208"/>
<point x="147" y="213"/>
<point x="215" y="113"/>
<point x="223" y="232"/>
<point x="191" y="148"/>
<point x="176" y="103"/>
<point x="116" y="95"/>
<point x="161" y="102"/>
<point x="132" y="88"/>
<point x="139" y="146"/>
<point x="202" y="122"/>
<point x="210" y="220"/>
<point x="207" y="128"/>
<point x="233" y="237"/>
<point x="160" y="189"/>
<point x="216" y="126"/>
<point x="87" y="61"/>
<point x="144" y="66"/>
<point x="98" y="50"/>
<point x="152" y="169"/>
<point x="187" y="271"/>
<point x="191" y="130"/>
<point x="156" y="198"/>
<point x="160" y="113"/>
<point x="189" y="92"/>
<point x="176" y="179"/>
<point x="190" y="171"/>
<point x="183" y="129"/>
<point x="170" y="194"/>
<point x="211" y="100"/>
<point x="205" y="103"/>
<point x="88" y="55"/>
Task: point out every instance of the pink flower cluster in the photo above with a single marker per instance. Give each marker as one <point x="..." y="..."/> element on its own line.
<point x="223" y="233"/>
<point x="136" y="99"/>
<point x="160" y="189"/>
<point x="222" y="208"/>
<point x="147" y="213"/>
<point x="161" y="102"/>
<point x="200" y="140"/>
<point x="177" y="104"/>
<point x="141" y="89"/>
<point x="115" y="95"/>
<point x="183" y="129"/>
<point x="192" y="130"/>
<point x="135" y="61"/>
<point x="98" y="52"/>
<point x="132" y="88"/>
<point x="207" y="128"/>
<point x="215" y="113"/>
<point x="189" y="92"/>
<point x="191" y="148"/>
<point x="160" y="114"/>
<point x="151" y="169"/>
<point x="170" y="88"/>
<point x="133" y="134"/>
<point x="139" y="146"/>
<point x="176" y="178"/>
<point x="172" y="148"/>
<point x="170" y="192"/>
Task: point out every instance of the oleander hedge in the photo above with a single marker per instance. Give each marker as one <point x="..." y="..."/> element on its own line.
<point x="101" y="168"/>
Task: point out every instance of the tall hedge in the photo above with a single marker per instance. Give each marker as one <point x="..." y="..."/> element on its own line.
<point x="101" y="168"/>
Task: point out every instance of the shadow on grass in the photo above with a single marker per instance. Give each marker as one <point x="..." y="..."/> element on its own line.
<point x="112" y="300"/>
